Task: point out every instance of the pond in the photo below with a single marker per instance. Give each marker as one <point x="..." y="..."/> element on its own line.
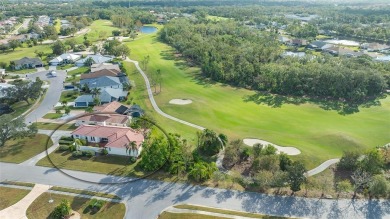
<point x="148" y="29"/>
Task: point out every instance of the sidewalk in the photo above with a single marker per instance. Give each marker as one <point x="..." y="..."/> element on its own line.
<point x="19" y="209"/>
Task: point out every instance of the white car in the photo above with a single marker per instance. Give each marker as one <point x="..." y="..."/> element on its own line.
<point x="53" y="73"/>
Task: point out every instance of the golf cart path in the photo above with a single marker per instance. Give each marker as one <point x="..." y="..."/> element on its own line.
<point x="220" y="156"/>
<point x="18" y="210"/>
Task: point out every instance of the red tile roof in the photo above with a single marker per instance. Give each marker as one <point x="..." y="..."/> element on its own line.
<point x="108" y="107"/>
<point x="118" y="137"/>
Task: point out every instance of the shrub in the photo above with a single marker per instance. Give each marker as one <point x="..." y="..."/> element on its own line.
<point x="104" y="152"/>
<point x="72" y="148"/>
<point x="67" y="138"/>
<point x="63" y="148"/>
<point x="133" y="159"/>
<point x="87" y="153"/>
<point x="65" y="142"/>
<point x="95" y="205"/>
<point x="77" y="154"/>
<point x="61" y="210"/>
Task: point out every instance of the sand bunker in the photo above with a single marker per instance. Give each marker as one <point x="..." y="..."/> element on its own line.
<point x="286" y="150"/>
<point x="180" y="101"/>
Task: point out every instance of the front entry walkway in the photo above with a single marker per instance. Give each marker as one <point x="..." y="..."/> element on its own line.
<point x="19" y="209"/>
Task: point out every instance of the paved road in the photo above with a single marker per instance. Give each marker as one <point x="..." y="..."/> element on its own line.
<point x="146" y="198"/>
<point x="24" y="26"/>
<point x="154" y="104"/>
<point x="52" y="96"/>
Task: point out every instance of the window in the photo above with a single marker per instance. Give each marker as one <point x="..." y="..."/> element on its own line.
<point x="92" y="138"/>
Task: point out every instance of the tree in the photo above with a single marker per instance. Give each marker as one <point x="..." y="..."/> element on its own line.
<point x="202" y="171"/>
<point x="133" y="35"/>
<point x="257" y="148"/>
<point x="50" y="32"/>
<point x="373" y="162"/>
<point x="209" y="143"/>
<point x="25" y="91"/>
<point x="132" y="148"/>
<point x="78" y="142"/>
<point x="95" y="49"/>
<point x="116" y="32"/>
<point x="296" y="175"/>
<point x="102" y="35"/>
<point x="11" y="128"/>
<point x="87" y="43"/>
<point x="266" y="162"/>
<point x="360" y="178"/>
<point x="379" y="186"/>
<point x="67" y="110"/>
<point x="154" y="154"/>
<point x="284" y="161"/>
<point x="89" y="110"/>
<point x="58" y="110"/>
<point x="64" y="103"/>
<point x="349" y="161"/>
<point x="58" y="48"/>
<point x="232" y="154"/>
<point x="269" y="150"/>
<point x="71" y="43"/>
<point x="40" y="54"/>
<point x="343" y="187"/>
<point x="218" y="177"/>
<point x="88" y="62"/>
<point x="13" y="44"/>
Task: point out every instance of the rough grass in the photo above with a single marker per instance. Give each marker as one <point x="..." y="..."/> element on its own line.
<point x="52" y="116"/>
<point x="240" y="113"/>
<point x="83" y="192"/>
<point x="19" y="150"/>
<point x="41" y="209"/>
<point x="96" y="28"/>
<point x="54" y="126"/>
<point x="10" y="196"/>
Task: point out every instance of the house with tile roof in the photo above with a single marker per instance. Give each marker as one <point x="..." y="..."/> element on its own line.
<point x="98" y="67"/>
<point x="117" y="140"/>
<point x="26" y="62"/>
<point x="113" y="107"/>
<point x="102" y="82"/>
<point x="107" y="95"/>
<point x="103" y="119"/>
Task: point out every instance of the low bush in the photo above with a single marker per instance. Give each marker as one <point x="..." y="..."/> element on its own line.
<point x="63" y="148"/>
<point x="87" y="153"/>
<point x="95" y="205"/>
<point x="77" y="154"/>
<point x="133" y="159"/>
<point x="65" y="142"/>
<point x="104" y="152"/>
<point x="67" y="138"/>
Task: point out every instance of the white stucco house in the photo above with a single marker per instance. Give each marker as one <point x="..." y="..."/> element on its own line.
<point x="66" y="58"/>
<point x="117" y="140"/>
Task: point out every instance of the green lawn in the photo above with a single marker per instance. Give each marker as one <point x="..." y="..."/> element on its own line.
<point x="216" y="18"/>
<point x="9" y="196"/>
<point x="320" y="134"/>
<point x="168" y="215"/>
<point x="84" y="192"/>
<point x="69" y="95"/>
<point x="54" y="126"/>
<point x="19" y="150"/>
<point x="20" y="107"/>
<point x="24" y="52"/>
<point x="40" y="208"/>
<point x="52" y="116"/>
<point x="111" y="164"/>
<point x="64" y="67"/>
<point x="80" y="70"/>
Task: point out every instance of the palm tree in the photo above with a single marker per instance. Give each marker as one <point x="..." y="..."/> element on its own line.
<point x="131" y="147"/>
<point x="198" y="172"/>
<point x="178" y="168"/>
<point x="95" y="92"/>
<point x="64" y="102"/>
<point x="89" y="110"/>
<point x="77" y="143"/>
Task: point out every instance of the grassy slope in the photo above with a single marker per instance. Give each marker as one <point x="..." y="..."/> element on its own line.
<point x="9" y="196"/>
<point x="95" y="28"/>
<point x="41" y="209"/>
<point x="17" y="151"/>
<point x="318" y="133"/>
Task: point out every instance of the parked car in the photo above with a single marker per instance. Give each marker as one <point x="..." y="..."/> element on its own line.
<point x="53" y="73"/>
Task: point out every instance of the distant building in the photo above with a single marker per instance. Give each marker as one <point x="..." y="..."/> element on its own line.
<point x="96" y="59"/>
<point x="319" y="45"/>
<point x="299" y="42"/>
<point x="66" y="58"/>
<point x="27" y="63"/>
<point x="374" y="47"/>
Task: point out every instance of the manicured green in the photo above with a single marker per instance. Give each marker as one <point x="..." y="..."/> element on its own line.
<point x="9" y="196"/>
<point x="19" y="150"/>
<point x="95" y="29"/>
<point x="25" y="52"/>
<point x="240" y="113"/>
<point x="40" y="208"/>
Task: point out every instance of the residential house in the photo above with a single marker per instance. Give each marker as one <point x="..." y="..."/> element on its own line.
<point x="294" y="54"/>
<point x="102" y="82"/>
<point x="373" y="47"/>
<point x="96" y="59"/>
<point x="319" y="45"/>
<point x="117" y="140"/>
<point x="114" y="106"/>
<point x="107" y="95"/>
<point x="107" y="72"/>
<point x="285" y="40"/>
<point x="103" y="119"/>
<point x="340" y="51"/>
<point x="66" y="58"/>
<point x="27" y="63"/>
<point x="110" y="66"/>
<point x="383" y="59"/>
<point x="299" y="42"/>
<point x="2" y="71"/>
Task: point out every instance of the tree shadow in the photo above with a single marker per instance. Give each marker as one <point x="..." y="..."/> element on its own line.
<point x="342" y="107"/>
<point x="13" y="149"/>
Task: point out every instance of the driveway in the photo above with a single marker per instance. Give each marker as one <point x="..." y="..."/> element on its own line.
<point x="52" y="96"/>
<point x="147" y="198"/>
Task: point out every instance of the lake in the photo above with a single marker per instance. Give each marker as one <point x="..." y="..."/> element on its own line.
<point x="148" y="29"/>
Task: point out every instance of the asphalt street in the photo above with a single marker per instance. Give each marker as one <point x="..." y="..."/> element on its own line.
<point x="147" y="198"/>
<point x="52" y="96"/>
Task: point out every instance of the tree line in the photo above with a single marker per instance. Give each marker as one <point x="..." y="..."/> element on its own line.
<point x="231" y="53"/>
